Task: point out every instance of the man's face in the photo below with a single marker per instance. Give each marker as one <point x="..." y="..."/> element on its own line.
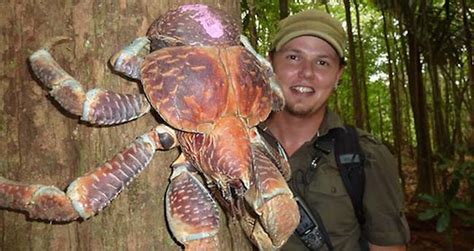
<point x="307" y="69"/>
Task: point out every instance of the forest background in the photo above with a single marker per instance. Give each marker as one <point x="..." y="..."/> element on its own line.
<point x="409" y="81"/>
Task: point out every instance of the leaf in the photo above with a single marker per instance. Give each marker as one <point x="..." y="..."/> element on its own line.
<point x="443" y="222"/>
<point x="460" y="205"/>
<point x="428" y="198"/>
<point x="428" y="214"/>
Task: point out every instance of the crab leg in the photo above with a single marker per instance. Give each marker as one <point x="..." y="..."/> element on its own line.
<point x="278" y="100"/>
<point x="127" y="60"/>
<point x="101" y="107"/>
<point x="90" y="193"/>
<point x="271" y="199"/>
<point x="191" y="211"/>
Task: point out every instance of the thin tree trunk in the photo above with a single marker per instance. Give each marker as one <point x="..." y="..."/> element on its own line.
<point x="450" y="73"/>
<point x="356" y="90"/>
<point x="394" y="101"/>
<point x="468" y="35"/>
<point x="425" y="169"/>
<point x="442" y="142"/>
<point x="380" y="117"/>
<point x="42" y="144"/>
<point x="284" y="11"/>
<point x="415" y="27"/>
<point x="252" y="23"/>
<point x="362" y="71"/>
<point x="404" y="69"/>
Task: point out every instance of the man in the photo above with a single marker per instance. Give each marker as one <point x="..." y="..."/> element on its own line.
<point x="307" y="56"/>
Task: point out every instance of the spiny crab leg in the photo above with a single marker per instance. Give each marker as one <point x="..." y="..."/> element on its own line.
<point x="278" y="100"/>
<point x="90" y="193"/>
<point x="191" y="211"/>
<point x="101" y="107"/>
<point x="127" y="61"/>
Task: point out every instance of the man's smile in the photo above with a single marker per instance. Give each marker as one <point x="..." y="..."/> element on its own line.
<point x="302" y="89"/>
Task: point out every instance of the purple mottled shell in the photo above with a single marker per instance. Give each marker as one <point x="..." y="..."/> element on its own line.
<point x="197" y="24"/>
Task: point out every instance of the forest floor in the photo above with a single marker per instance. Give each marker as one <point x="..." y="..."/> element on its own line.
<point x="425" y="237"/>
<point x="423" y="233"/>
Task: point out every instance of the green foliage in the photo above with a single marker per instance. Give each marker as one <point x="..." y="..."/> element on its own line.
<point x="450" y="202"/>
<point x="266" y="15"/>
<point x="439" y="31"/>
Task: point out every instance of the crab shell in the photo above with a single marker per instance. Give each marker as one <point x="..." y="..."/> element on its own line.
<point x="193" y="87"/>
<point x="196" y="24"/>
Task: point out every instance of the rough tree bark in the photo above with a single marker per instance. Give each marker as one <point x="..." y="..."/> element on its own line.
<point x="41" y="143"/>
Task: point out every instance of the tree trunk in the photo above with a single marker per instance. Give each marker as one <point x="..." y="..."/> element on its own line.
<point x="394" y="101"/>
<point x="406" y="111"/>
<point x="442" y="143"/>
<point x="362" y="71"/>
<point x="425" y="170"/>
<point x="251" y="24"/>
<point x="283" y="8"/>
<point x="42" y="144"/>
<point x="468" y="35"/>
<point x="356" y="90"/>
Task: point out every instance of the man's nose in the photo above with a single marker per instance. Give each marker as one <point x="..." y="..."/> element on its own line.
<point x="306" y="70"/>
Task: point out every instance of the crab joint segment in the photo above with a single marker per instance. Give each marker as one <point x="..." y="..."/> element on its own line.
<point x="127" y="60"/>
<point x="95" y="190"/>
<point x="191" y="211"/>
<point x="96" y="106"/>
<point x="105" y="107"/>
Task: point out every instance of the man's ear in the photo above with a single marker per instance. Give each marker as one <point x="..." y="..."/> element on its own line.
<point x="339" y="74"/>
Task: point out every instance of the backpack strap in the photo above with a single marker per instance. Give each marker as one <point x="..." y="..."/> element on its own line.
<point x="350" y="161"/>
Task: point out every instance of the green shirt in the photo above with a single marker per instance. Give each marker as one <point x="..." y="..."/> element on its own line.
<point x="383" y="198"/>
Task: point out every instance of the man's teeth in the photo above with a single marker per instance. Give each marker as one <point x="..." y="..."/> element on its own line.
<point x="303" y="89"/>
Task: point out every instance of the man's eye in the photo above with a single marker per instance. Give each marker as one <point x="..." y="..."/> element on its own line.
<point x="292" y="57"/>
<point x="322" y="62"/>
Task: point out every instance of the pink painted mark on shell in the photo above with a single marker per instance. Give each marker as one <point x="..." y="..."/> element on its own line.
<point x="206" y="18"/>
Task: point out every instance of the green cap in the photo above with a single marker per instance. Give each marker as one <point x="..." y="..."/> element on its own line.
<point x="311" y="22"/>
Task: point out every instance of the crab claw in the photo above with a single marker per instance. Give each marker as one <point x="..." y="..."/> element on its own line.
<point x="272" y="201"/>
<point x="276" y="209"/>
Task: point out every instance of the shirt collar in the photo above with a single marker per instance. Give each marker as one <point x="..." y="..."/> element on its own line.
<point x="330" y="121"/>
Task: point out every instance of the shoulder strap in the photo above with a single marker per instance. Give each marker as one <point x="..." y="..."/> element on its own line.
<point x="350" y="160"/>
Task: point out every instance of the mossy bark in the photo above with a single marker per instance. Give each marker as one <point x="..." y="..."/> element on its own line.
<point x="42" y="144"/>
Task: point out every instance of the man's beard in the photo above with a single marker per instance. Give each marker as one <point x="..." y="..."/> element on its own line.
<point x="302" y="112"/>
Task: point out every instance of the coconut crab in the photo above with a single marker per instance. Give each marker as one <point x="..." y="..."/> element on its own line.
<point x="211" y="91"/>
